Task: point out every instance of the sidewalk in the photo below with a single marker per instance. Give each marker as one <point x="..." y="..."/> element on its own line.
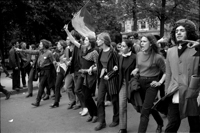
<point x="7" y="82"/>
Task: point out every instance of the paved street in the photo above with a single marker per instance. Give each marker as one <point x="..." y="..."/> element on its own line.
<point x="19" y="116"/>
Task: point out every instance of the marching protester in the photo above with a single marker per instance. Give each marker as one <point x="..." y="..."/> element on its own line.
<point x="76" y="65"/>
<point x="69" y="79"/>
<point x="88" y="61"/>
<point x="45" y="64"/>
<point x="61" y="71"/>
<point x="149" y="65"/>
<point x="182" y="70"/>
<point x="14" y="62"/>
<point x="25" y="63"/>
<point x="33" y="72"/>
<point x="107" y="68"/>
<point x="127" y="63"/>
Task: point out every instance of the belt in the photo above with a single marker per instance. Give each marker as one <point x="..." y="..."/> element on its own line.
<point x="143" y="77"/>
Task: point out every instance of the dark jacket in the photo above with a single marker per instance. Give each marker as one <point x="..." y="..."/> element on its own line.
<point x="14" y="60"/>
<point x="130" y="67"/>
<point x="113" y="75"/>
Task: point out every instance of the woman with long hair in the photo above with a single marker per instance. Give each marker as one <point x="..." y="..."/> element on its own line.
<point x="149" y="65"/>
<point x="61" y="71"/>
<point x="107" y="68"/>
<point x="88" y="59"/>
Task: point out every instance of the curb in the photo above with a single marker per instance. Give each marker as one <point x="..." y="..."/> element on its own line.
<point x="13" y="92"/>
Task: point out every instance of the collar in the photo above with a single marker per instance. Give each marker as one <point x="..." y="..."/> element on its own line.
<point x="127" y="54"/>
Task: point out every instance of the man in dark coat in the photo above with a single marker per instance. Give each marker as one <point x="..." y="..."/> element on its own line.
<point x="14" y="62"/>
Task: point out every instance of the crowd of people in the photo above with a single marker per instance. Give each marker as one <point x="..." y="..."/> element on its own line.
<point x="132" y="71"/>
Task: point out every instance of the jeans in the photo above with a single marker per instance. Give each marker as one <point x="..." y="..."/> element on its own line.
<point x="123" y="106"/>
<point x="174" y="120"/>
<point x="24" y="71"/>
<point x="69" y="85"/>
<point x="89" y="102"/>
<point x="148" y="95"/>
<point x="103" y="89"/>
<point x="78" y="88"/>
<point x="59" y="82"/>
<point x="30" y="81"/>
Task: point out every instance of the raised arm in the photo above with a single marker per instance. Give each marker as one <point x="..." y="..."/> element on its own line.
<point x="71" y="38"/>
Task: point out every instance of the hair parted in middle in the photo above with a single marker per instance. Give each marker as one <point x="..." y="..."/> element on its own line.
<point x="105" y="37"/>
<point x="153" y="41"/>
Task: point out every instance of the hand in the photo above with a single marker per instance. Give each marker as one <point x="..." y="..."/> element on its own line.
<point x="66" y="27"/>
<point x="115" y="68"/>
<point x="134" y="72"/>
<point x="106" y="77"/>
<point x="192" y="44"/>
<point x="90" y="71"/>
<point x="18" y="50"/>
<point x="68" y="63"/>
<point x="155" y="84"/>
<point x="16" y="68"/>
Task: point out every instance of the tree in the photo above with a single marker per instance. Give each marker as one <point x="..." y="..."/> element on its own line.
<point x="168" y="10"/>
<point x="32" y="20"/>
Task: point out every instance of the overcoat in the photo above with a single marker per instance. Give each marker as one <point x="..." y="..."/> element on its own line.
<point x="113" y="60"/>
<point x="178" y="76"/>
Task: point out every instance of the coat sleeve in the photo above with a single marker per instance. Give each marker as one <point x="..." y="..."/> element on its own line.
<point x="12" y="58"/>
<point x="115" y="63"/>
<point x="168" y="72"/>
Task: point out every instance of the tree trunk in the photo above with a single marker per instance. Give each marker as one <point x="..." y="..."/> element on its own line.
<point x="162" y="19"/>
<point x="134" y="11"/>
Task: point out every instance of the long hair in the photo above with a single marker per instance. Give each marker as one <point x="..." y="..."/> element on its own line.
<point x="190" y="32"/>
<point x="106" y="37"/>
<point x="154" y="47"/>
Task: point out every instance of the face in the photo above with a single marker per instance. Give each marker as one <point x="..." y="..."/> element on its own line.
<point x="86" y="41"/>
<point x="145" y="44"/>
<point x="180" y="33"/>
<point x="100" y="41"/>
<point x="59" y="46"/>
<point x="119" y="47"/>
<point x="23" y="45"/>
<point x="124" y="48"/>
<point x="41" y="46"/>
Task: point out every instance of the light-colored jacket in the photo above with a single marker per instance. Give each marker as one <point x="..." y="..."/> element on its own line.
<point x="178" y="76"/>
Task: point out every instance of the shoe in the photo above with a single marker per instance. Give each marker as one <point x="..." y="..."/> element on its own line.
<point x="53" y="96"/>
<point x="94" y="120"/>
<point x="81" y="112"/>
<point x="70" y="106"/>
<point x="7" y="96"/>
<point x="29" y="95"/>
<point x="122" y="131"/>
<point x="100" y="126"/>
<point x="89" y="119"/>
<point x="75" y="107"/>
<point x="113" y="124"/>
<point x="159" y="129"/>
<point x="46" y="97"/>
<point x="55" y="105"/>
<point x="24" y="86"/>
<point x="17" y="89"/>
<point x="84" y="112"/>
<point x="36" y="104"/>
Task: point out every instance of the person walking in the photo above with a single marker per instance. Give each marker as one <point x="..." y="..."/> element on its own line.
<point x="107" y="69"/>
<point x="127" y="63"/>
<point x="149" y="65"/>
<point x="182" y="64"/>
